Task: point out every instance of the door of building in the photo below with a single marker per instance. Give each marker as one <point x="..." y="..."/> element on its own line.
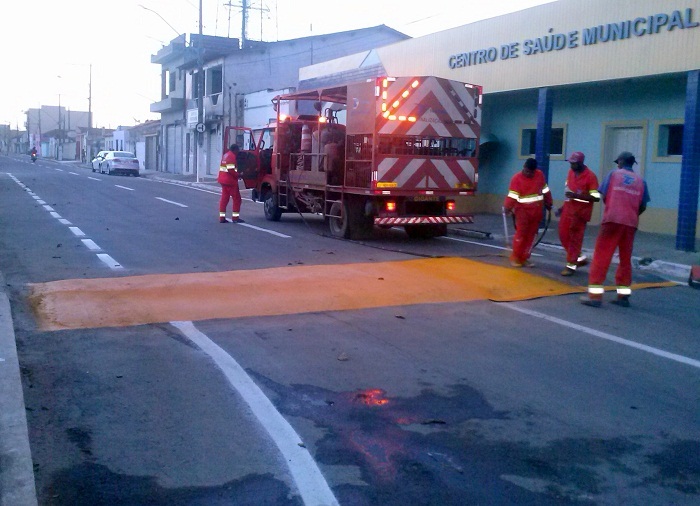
<point x="618" y="138"/>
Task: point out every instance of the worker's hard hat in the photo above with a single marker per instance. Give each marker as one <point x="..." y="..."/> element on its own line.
<point x="576" y="157"/>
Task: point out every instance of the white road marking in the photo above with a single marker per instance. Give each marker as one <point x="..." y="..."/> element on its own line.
<point x="171" y="202"/>
<point x="48" y="208"/>
<point x="36" y="197"/>
<point x="91" y="245"/>
<point x="94" y="178"/>
<point x="124" y="187"/>
<point x="604" y="335"/>
<point x="54" y="214"/>
<point x="64" y="221"/>
<point x="39" y="201"/>
<point x="74" y="173"/>
<point x="111" y="262"/>
<point x="310" y="482"/>
<point x="263" y="230"/>
<point x="59" y="170"/>
<point x="484" y="245"/>
<point x="77" y="232"/>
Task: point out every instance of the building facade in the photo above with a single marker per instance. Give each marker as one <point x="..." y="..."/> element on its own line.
<point x="600" y="76"/>
<point x="230" y="75"/>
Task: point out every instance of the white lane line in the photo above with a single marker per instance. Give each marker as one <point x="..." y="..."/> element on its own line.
<point x="40" y="201"/>
<point x="94" y="178"/>
<point x="59" y="170"/>
<point x="54" y="214"/>
<point x="310" y="482"/>
<point x="111" y="262"/>
<point x="64" y="221"/>
<point x="171" y="202"/>
<point x="36" y="197"/>
<point x="124" y="187"/>
<point x="48" y="208"/>
<point x="91" y="245"/>
<point x="604" y="335"/>
<point x="74" y="173"/>
<point x="77" y="232"/>
<point x="263" y="230"/>
<point x="484" y="245"/>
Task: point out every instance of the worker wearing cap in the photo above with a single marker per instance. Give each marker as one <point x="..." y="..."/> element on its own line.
<point x="228" y="179"/>
<point x="625" y="196"/>
<point x="528" y="193"/>
<point x="581" y="192"/>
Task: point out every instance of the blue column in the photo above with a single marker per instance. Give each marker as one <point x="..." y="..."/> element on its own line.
<point x="544" y="130"/>
<point x="690" y="168"/>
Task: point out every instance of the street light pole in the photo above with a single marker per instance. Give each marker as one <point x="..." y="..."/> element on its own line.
<point x="199" y="137"/>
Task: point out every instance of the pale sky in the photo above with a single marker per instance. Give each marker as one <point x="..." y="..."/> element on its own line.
<point x="49" y="45"/>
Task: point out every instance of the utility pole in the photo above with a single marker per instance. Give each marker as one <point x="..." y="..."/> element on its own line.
<point x="88" y="155"/>
<point x="199" y="138"/>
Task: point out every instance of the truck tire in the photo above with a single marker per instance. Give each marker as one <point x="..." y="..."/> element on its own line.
<point x="339" y="227"/>
<point x="272" y="210"/>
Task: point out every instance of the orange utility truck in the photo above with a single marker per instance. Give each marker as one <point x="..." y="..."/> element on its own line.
<point x="385" y="152"/>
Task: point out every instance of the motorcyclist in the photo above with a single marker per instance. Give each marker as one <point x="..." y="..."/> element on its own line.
<point x="33" y="154"/>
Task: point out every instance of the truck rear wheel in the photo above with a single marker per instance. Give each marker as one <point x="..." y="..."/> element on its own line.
<point x="339" y="226"/>
<point x="272" y="210"/>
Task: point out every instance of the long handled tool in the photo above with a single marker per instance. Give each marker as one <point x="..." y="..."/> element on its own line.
<point x="505" y="228"/>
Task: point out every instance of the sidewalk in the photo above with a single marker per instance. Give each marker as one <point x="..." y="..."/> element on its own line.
<point x="656" y="253"/>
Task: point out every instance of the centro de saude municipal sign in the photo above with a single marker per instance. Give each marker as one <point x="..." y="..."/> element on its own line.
<point x="610" y="32"/>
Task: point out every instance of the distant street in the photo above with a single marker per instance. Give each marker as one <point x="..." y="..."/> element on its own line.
<point x="388" y="372"/>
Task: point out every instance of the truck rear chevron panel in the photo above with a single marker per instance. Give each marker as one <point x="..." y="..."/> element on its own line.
<point x="411" y="173"/>
<point x="446" y="106"/>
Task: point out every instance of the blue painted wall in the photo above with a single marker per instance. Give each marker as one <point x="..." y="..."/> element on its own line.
<point x="585" y="109"/>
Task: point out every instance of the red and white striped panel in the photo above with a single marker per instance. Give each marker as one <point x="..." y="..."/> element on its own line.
<point x="426" y="173"/>
<point x="424" y="220"/>
<point x="440" y="107"/>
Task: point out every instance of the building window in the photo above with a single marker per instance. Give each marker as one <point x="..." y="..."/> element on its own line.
<point x="669" y="141"/>
<point x="171" y="82"/>
<point x="557" y="142"/>
<point x="215" y="80"/>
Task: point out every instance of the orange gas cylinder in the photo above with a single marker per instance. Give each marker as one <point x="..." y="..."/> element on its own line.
<point x="306" y="139"/>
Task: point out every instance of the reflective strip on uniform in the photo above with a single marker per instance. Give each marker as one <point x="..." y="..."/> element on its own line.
<point x="571" y="266"/>
<point x="513" y="195"/>
<point x="545" y="189"/>
<point x="235" y="215"/>
<point x="624" y="290"/>
<point x="596" y="290"/>
<point x="223" y="168"/>
<point x="530" y="198"/>
<point x="231" y="166"/>
<point x="595" y="193"/>
<point x="584" y="201"/>
<point x="222" y="215"/>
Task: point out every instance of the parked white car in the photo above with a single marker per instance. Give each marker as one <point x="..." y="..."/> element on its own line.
<point x="97" y="160"/>
<point x="119" y="162"/>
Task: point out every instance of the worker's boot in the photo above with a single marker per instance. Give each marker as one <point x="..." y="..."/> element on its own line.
<point x="622" y="301"/>
<point x="223" y="220"/>
<point x="587" y="300"/>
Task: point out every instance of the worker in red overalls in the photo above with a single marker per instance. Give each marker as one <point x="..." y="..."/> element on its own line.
<point x="625" y="195"/>
<point x="228" y="179"/>
<point x="581" y="192"/>
<point x="528" y="193"/>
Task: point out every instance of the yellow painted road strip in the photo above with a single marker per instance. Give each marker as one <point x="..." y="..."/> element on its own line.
<point x="118" y="302"/>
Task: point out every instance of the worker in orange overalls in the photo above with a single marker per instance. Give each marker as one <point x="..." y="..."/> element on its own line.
<point x="228" y="179"/>
<point x="581" y="192"/>
<point x="625" y="197"/>
<point x="528" y="193"/>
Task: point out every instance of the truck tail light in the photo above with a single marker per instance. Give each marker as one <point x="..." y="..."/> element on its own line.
<point x="450" y="205"/>
<point x="390" y="206"/>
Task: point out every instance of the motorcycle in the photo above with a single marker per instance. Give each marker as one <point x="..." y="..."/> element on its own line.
<point x="33" y="157"/>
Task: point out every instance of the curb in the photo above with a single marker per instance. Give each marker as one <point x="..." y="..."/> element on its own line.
<point x="17" y="486"/>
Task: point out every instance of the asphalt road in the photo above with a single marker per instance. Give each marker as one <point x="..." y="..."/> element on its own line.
<point x="543" y="401"/>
